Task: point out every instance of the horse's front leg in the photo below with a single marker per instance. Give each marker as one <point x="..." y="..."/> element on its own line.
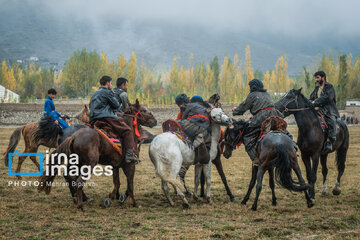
<point x="207" y="174"/>
<point x="198" y="170"/>
<point x="260" y="175"/>
<point x="324" y="169"/>
<point x="313" y="177"/>
<point x="297" y="170"/>
<point x="254" y="171"/>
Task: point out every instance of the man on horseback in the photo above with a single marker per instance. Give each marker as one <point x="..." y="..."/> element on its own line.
<point x="181" y="100"/>
<point x="195" y="121"/>
<point x="261" y="106"/>
<point x="49" y="110"/>
<point x="324" y="97"/>
<point x="103" y="106"/>
<point x="121" y="93"/>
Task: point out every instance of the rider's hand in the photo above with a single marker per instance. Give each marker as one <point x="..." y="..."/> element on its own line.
<point x="313" y="102"/>
<point x="57" y="122"/>
<point x="233" y="109"/>
<point x="62" y="116"/>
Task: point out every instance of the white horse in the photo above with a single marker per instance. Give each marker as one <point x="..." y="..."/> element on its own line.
<point x="168" y="153"/>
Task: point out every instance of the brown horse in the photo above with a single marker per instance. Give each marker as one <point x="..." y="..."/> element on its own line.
<point x="92" y="148"/>
<point x="43" y="132"/>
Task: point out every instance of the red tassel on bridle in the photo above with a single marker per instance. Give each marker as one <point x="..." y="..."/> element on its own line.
<point x="135" y="124"/>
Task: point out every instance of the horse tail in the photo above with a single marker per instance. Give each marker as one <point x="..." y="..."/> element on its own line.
<point x="283" y="170"/>
<point x="340" y="154"/>
<point x="14" y="141"/>
<point x="45" y="182"/>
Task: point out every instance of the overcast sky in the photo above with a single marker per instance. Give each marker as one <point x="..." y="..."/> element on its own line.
<point x="309" y="18"/>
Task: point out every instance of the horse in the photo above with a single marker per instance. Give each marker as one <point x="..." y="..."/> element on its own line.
<point x="311" y="139"/>
<point x="214" y="99"/>
<point x="275" y="150"/>
<point x="92" y="148"/>
<point x="43" y="132"/>
<point x="168" y="153"/>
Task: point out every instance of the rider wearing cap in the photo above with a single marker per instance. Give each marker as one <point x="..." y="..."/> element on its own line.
<point x="261" y="106"/>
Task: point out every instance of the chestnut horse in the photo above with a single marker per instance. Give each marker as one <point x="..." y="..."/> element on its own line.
<point x="43" y="132"/>
<point x="92" y="148"/>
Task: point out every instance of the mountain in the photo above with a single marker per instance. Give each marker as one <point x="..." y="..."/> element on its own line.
<point x="28" y="29"/>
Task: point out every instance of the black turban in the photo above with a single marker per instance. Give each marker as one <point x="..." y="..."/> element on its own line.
<point x="256" y="86"/>
<point x="181" y="98"/>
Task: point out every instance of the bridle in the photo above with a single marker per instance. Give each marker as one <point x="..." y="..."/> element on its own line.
<point x="297" y="109"/>
<point x="235" y="141"/>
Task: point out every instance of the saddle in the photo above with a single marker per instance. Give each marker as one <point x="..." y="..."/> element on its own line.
<point x="273" y="124"/>
<point x="175" y="128"/>
<point x="106" y="131"/>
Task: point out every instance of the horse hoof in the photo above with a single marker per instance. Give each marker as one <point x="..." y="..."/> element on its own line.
<point x="310" y="204"/>
<point x="209" y="201"/>
<point x="186" y="205"/>
<point x="188" y="194"/>
<point x="196" y="198"/>
<point x="107" y="202"/>
<point x="233" y="199"/>
<point x="254" y="208"/>
<point x="89" y="200"/>
<point x="274" y="203"/>
<point x="324" y="193"/>
<point x="336" y="191"/>
<point x="122" y="198"/>
<point x="243" y="202"/>
<point x="75" y="200"/>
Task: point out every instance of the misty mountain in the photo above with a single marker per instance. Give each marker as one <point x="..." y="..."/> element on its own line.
<point x="30" y="29"/>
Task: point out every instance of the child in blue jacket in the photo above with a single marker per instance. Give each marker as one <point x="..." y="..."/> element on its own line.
<point x="49" y="109"/>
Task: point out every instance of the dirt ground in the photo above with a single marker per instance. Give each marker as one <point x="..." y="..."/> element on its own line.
<point x="27" y="214"/>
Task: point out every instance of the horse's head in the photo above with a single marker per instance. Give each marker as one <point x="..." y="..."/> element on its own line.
<point x="233" y="136"/>
<point x="214" y="100"/>
<point x="83" y="116"/>
<point x="291" y="102"/>
<point x="143" y="115"/>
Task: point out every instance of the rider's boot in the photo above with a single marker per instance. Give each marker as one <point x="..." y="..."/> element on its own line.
<point x="130" y="157"/>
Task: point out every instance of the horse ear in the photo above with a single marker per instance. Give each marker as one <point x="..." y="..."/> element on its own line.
<point x="86" y="107"/>
<point x="298" y="91"/>
<point x="137" y="104"/>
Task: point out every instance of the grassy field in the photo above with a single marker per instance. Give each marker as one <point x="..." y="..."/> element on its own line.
<point x="27" y="214"/>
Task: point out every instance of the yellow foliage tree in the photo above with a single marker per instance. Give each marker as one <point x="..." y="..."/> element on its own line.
<point x="248" y="68"/>
<point x="121" y="66"/>
<point x="132" y="73"/>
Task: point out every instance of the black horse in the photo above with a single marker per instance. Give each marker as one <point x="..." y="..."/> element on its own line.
<point x="311" y="139"/>
<point x="275" y="151"/>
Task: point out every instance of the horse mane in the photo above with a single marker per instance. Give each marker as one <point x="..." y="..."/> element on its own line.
<point x="47" y="131"/>
<point x="308" y="104"/>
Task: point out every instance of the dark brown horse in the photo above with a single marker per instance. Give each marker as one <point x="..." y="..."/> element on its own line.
<point x="275" y="151"/>
<point x="92" y="148"/>
<point x="311" y="139"/>
<point x="43" y="132"/>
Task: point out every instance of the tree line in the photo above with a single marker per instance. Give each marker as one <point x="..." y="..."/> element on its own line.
<point x="82" y="71"/>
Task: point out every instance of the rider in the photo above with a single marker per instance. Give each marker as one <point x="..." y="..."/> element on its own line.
<point x="261" y="106"/>
<point x="121" y="93"/>
<point x="49" y="109"/>
<point x="195" y="122"/>
<point x="103" y="106"/>
<point x="323" y="97"/>
<point x="181" y="100"/>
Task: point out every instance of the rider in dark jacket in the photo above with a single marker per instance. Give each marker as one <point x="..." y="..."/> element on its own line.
<point x="324" y="97"/>
<point x="103" y="106"/>
<point x="261" y="106"/>
<point x="196" y="125"/>
<point x="121" y="93"/>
